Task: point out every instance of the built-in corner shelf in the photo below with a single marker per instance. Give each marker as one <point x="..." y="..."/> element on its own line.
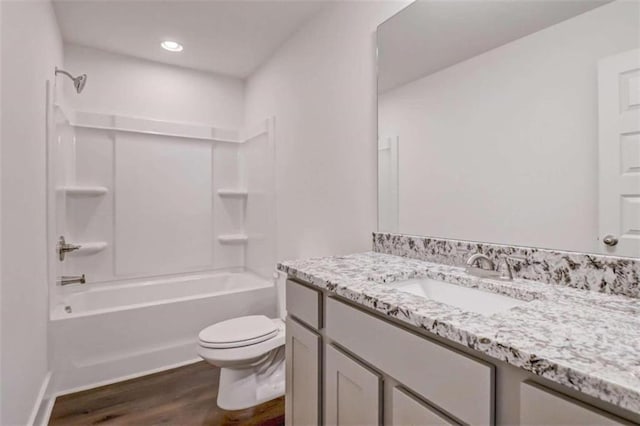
<point x="233" y="239"/>
<point x="90" y="248"/>
<point x="233" y="193"/>
<point x="83" y="191"/>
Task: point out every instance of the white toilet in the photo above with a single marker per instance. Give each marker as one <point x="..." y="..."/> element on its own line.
<point x="250" y="353"/>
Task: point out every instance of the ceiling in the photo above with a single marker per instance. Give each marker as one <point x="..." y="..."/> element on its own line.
<point x="431" y="35"/>
<point x="227" y="37"/>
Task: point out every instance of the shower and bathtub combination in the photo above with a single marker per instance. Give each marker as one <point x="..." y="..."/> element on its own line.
<point x="170" y="226"/>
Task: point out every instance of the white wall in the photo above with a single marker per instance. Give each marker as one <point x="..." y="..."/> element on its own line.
<point x="124" y="85"/>
<point x="31" y="48"/>
<point x="321" y="88"/>
<point x="503" y="147"/>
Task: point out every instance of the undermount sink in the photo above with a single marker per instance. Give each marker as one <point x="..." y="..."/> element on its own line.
<point x="465" y="298"/>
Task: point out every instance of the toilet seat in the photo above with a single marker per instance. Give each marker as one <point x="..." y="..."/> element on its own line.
<point x="244" y="354"/>
<point x="238" y="332"/>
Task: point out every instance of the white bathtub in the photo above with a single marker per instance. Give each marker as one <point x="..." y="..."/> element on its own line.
<point x="106" y="333"/>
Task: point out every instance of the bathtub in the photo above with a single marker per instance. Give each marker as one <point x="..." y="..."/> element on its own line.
<point x="109" y="332"/>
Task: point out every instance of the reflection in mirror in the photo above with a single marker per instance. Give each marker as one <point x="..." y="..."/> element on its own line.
<point x="512" y="122"/>
<point x="388" y="182"/>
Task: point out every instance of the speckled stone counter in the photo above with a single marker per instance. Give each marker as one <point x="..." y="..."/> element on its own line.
<point x="585" y="340"/>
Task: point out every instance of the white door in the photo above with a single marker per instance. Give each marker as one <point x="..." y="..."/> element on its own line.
<point x="619" y="153"/>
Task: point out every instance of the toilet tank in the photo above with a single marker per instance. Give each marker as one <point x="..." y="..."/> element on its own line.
<point x="281" y="284"/>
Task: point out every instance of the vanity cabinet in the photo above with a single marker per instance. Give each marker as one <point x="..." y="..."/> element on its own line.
<point x="353" y="391"/>
<point x="346" y="365"/>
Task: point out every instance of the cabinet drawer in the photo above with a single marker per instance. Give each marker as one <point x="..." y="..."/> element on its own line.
<point x="541" y="406"/>
<point x="461" y="386"/>
<point x="304" y="303"/>
<point x="353" y="391"/>
<point x="409" y="411"/>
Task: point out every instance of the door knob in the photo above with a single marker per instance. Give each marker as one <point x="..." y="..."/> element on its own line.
<point x="610" y="240"/>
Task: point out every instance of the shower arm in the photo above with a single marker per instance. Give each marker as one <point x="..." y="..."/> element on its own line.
<point x="59" y="71"/>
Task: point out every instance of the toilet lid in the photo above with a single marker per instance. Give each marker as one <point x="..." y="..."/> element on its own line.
<point x="240" y="331"/>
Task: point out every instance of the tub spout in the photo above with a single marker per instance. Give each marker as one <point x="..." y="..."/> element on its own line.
<point x="66" y="280"/>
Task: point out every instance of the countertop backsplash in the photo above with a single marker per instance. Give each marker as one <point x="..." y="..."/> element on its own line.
<point x="606" y="274"/>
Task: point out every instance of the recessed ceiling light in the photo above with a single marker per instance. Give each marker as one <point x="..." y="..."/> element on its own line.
<point x="171" y="46"/>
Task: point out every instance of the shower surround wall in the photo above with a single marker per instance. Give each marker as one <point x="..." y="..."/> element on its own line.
<point x="180" y="192"/>
<point x="155" y="235"/>
<point x="161" y="213"/>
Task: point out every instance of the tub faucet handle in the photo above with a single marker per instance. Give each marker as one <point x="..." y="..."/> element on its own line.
<point x="64" y="248"/>
<point x="509" y="275"/>
<point x="509" y="260"/>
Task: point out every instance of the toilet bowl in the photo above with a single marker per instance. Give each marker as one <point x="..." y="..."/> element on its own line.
<point x="250" y="353"/>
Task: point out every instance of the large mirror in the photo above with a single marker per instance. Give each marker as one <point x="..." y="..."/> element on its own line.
<point x="513" y="122"/>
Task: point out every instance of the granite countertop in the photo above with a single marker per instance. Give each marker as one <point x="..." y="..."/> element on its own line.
<point x="585" y="340"/>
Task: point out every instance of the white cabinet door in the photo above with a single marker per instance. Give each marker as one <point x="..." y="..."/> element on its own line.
<point x="302" y="401"/>
<point x="619" y="153"/>
<point x="352" y="392"/>
<point x="539" y="406"/>
<point x="409" y="411"/>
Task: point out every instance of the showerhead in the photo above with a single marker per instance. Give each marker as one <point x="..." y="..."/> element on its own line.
<point x="78" y="82"/>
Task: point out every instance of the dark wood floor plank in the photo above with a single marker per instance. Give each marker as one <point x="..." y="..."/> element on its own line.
<point x="182" y="396"/>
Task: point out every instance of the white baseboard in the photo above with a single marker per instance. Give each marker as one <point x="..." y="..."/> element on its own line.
<point x="44" y="403"/>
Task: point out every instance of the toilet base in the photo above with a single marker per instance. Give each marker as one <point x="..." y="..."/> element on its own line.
<point x="242" y="388"/>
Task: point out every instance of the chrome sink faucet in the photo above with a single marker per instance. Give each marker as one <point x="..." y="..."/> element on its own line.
<point x="480" y="265"/>
<point x="478" y="259"/>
